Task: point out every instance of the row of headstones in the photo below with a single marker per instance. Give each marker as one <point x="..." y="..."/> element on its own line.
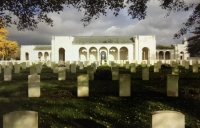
<point x="83" y="85"/>
<point x="29" y="119"/>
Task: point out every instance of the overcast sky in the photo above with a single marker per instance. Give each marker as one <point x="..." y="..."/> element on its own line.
<point x="68" y="24"/>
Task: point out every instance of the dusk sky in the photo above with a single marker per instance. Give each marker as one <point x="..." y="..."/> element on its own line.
<point x="68" y="23"/>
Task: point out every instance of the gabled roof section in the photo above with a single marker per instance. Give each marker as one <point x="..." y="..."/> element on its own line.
<point x="102" y="39"/>
<point x="42" y="47"/>
<point x="164" y="46"/>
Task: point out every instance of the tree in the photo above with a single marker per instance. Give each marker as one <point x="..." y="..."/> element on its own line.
<point x="30" y="12"/>
<point x="8" y="48"/>
<point x="194" y="42"/>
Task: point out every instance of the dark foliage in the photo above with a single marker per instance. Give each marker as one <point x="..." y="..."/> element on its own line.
<point x="29" y="13"/>
<point x="166" y="66"/>
<point x="194" y="42"/>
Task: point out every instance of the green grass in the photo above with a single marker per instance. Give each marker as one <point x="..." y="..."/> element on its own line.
<point x="59" y="106"/>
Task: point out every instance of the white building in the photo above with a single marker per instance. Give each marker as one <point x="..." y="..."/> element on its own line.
<point x="73" y="48"/>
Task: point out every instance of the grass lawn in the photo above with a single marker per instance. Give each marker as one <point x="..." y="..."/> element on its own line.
<point x="59" y="106"/>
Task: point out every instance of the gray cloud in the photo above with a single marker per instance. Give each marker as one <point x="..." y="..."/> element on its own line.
<point x="68" y="24"/>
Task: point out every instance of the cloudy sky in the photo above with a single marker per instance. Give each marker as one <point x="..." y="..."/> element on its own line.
<point x="68" y="24"/>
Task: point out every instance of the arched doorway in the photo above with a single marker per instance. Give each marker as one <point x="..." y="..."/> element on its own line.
<point x="103" y="53"/>
<point x="82" y="54"/>
<point x="93" y="54"/>
<point x="161" y="55"/>
<point x="145" y="53"/>
<point x="61" y="54"/>
<point x="167" y="55"/>
<point x="123" y="53"/>
<point x="40" y="55"/>
<point x="181" y="55"/>
<point x="113" y="53"/>
<point x="46" y="55"/>
<point x="27" y="56"/>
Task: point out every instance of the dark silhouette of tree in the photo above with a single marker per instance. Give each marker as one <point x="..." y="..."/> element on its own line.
<point x="194" y="42"/>
<point x="26" y="14"/>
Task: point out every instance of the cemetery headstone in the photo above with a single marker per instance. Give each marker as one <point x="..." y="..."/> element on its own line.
<point x="156" y="68"/>
<point x="81" y="65"/>
<point x="7" y="74"/>
<point x="17" y="68"/>
<point x="61" y="73"/>
<point x="21" y="119"/>
<point x="115" y="73"/>
<point x="124" y="85"/>
<point x="34" y="85"/>
<point x="167" y="119"/>
<point x="23" y="64"/>
<point x="73" y="68"/>
<point x="172" y="85"/>
<point x="90" y="72"/>
<point x="133" y="68"/>
<point x="83" y="86"/>
<point x="195" y="68"/>
<point x="145" y="73"/>
<point x="127" y="65"/>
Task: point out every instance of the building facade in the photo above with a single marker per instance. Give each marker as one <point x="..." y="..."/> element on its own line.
<point x="92" y="48"/>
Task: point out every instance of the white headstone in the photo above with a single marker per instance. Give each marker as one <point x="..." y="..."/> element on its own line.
<point x="145" y="73"/>
<point x="195" y="68"/>
<point x="23" y="64"/>
<point x="90" y="72"/>
<point x="127" y="65"/>
<point x="83" y="86"/>
<point x="167" y="119"/>
<point x="21" y="119"/>
<point x="124" y="85"/>
<point x="133" y="68"/>
<point x="186" y="64"/>
<point x="17" y="68"/>
<point x="34" y="85"/>
<point x="115" y="73"/>
<point x="73" y="68"/>
<point x="7" y="74"/>
<point x="61" y="73"/>
<point x="172" y="85"/>
<point x="156" y="68"/>
<point x="81" y="65"/>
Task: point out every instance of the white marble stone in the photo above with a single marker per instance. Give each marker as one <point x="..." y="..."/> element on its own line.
<point x="73" y="68"/>
<point x="175" y="70"/>
<point x="23" y="65"/>
<point x="7" y="74"/>
<point x="61" y="73"/>
<point x="90" y="72"/>
<point x="83" y="85"/>
<point x="195" y="68"/>
<point x="172" y="85"/>
<point x="145" y="73"/>
<point x="156" y="68"/>
<point x="124" y="85"/>
<point x="115" y="73"/>
<point x="34" y="85"/>
<point x="81" y="65"/>
<point x="127" y="65"/>
<point x="20" y="119"/>
<point x="167" y="119"/>
<point x="17" y="68"/>
<point x="133" y="68"/>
